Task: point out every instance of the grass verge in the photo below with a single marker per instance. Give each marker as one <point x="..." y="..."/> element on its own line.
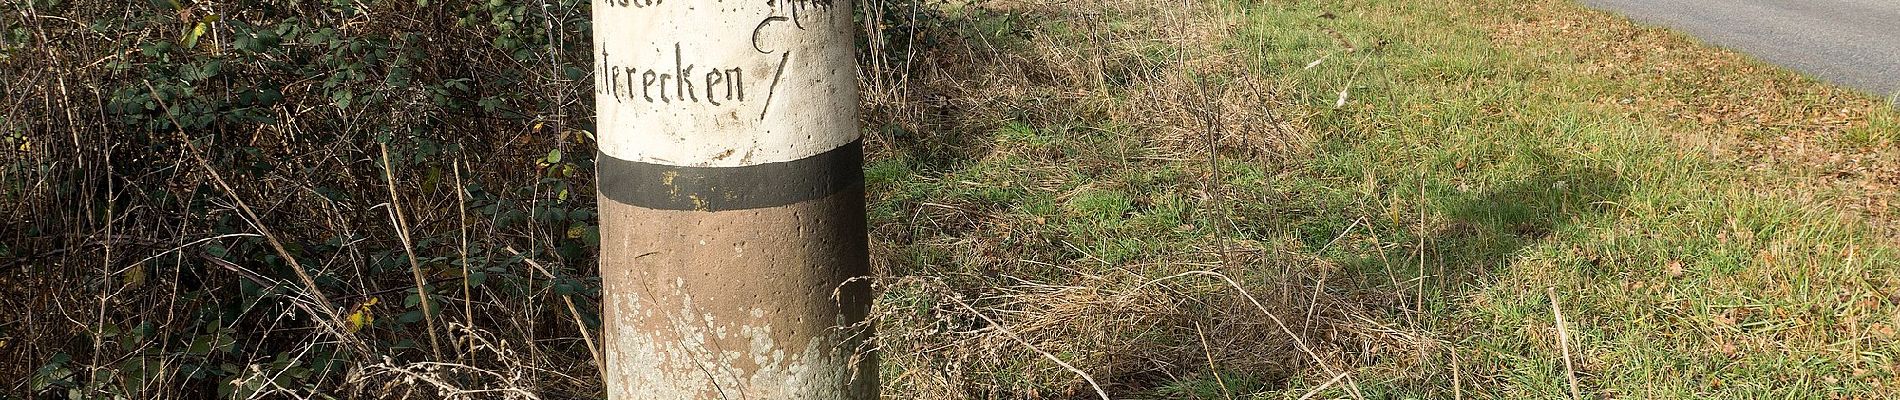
<point x="1402" y="186"/>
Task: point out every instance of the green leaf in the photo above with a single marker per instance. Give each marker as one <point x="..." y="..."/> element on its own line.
<point x="343" y="98"/>
<point x="477" y="278"/>
<point x="200" y="346"/>
<point x="58" y="360"/>
<point x="592" y="236"/>
<point x="397" y="77"/>
<point x="197" y="30"/>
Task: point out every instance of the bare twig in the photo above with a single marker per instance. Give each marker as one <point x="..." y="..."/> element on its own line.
<point x="180" y="247"/>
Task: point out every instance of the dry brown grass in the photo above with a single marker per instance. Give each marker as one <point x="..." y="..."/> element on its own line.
<point x="1158" y="75"/>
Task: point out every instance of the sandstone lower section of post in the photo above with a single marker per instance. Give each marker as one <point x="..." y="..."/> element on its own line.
<point x="737" y="305"/>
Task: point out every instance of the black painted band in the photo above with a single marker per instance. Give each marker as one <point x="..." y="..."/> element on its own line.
<point x="672" y="187"/>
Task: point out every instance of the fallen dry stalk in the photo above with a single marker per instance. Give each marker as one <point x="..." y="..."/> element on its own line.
<point x="572" y="311"/>
<point x="1208" y="352"/>
<point x="461" y="229"/>
<point x="1019" y="339"/>
<point x="1322" y="387"/>
<point x="1563" y="342"/>
<point x="1457" y="387"/>
<point x="1297" y="342"/>
<point x="325" y="310"/>
<point x="409" y="249"/>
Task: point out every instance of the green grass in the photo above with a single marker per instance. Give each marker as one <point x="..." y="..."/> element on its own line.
<point x="1482" y="158"/>
<point x="1523" y="182"/>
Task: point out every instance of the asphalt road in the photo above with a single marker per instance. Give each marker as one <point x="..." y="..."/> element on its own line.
<point x="1854" y="43"/>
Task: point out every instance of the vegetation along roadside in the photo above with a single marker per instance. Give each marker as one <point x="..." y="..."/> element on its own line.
<point x="1193" y="200"/>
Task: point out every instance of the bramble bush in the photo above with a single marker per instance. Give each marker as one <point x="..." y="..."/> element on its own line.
<point x="174" y="168"/>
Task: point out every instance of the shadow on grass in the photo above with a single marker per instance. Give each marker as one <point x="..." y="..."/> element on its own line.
<point x="1487" y="230"/>
<point x="1474" y="232"/>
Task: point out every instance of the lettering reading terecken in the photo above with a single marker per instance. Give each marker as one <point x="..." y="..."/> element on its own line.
<point x="678" y="82"/>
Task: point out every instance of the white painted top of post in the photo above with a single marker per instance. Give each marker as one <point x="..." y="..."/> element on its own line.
<point x="723" y="83"/>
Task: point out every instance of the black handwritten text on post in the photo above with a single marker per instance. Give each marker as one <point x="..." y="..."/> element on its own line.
<point x="686" y="82"/>
<point x="680" y="82"/>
